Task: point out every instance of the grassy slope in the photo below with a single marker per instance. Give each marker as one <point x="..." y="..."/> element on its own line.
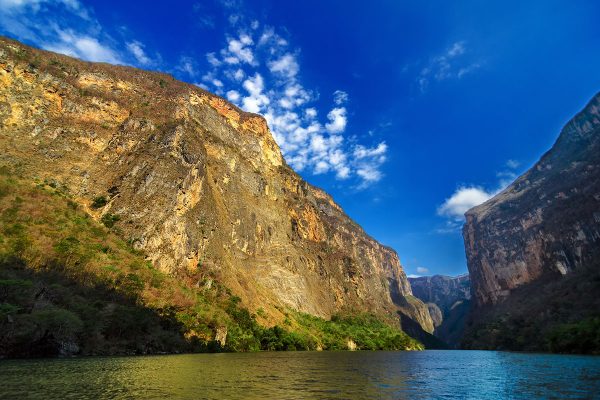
<point x="69" y="285"/>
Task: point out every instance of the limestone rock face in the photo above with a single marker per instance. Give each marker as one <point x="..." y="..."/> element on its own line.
<point x="196" y="183"/>
<point x="547" y="223"/>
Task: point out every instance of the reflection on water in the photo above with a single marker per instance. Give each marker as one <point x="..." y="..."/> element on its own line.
<point x="312" y="375"/>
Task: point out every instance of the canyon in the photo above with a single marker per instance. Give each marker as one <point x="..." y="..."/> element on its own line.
<point x="449" y="302"/>
<point x="200" y="191"/>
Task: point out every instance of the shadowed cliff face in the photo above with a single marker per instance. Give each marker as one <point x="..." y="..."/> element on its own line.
<point x="547" y="222"/>
<point x="194" y="182"/>
<point x="443" y="291"/>
<point x="449" y="300"/>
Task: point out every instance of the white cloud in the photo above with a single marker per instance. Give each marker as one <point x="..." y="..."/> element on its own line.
<point x="466" y="197"/>
<point x="422" y="270"/>
<point x="468" y="69"/>
<point x="234" y="18"/>
<point x="369" y="173"/>
<point x="310" y="113"/>
<point x="337" y="120"/>
<point x="340" y="97"/>
<point x="137" y="49"/>
<point x="449" y="65"/>
<point x="187" y="65"/>
<point x="239" y="51"/>
<point x="462" y="200"/>
<point x="238" y="75"/>
<point x="67" y="27"/>
<point x="285" y="65"/>
<point x="233" y="96"/>
<point x="457" y="49"/>
<point x="260" y="73"/>
<point x="12" y="4"/>
<point x="513" y="164"/>
<point x="361" y="152"/>
<point x="506" y="178"/>
<point x="256" y="100"/>
<point x="35" y="5"/>
<point x="212" y="59"/>
<point x="84" y="47"/>
<point x="230" y="3"/>
<point x="368" y="162"/>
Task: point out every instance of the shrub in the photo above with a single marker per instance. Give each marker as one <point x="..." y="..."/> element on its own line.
<point x="99" y="202"/>
<point x="109" y="220"/>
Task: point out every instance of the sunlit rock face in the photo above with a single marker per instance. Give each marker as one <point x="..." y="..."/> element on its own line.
<point x="196" y="183"/>
<point x="547" y="223"/>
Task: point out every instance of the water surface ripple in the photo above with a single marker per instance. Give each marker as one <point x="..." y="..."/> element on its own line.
<point x="307" y="375"/>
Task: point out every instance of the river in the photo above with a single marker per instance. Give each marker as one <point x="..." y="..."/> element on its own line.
<point x="306" y="375"/>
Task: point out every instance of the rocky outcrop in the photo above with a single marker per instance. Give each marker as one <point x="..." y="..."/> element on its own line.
<point x="547" y="223"/>
<point x="448" y="299"/>
<point x="197" y="184"/>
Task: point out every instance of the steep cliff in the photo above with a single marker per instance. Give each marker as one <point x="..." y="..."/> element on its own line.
<point x="547" y="221"/>
<point x="543" y="227"/>
<point x="448" y="299"/>
<point x="197" y="184"/>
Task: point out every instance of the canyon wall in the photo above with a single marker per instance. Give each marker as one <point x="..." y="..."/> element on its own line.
<point x="533" y="251"/>
<point x="193" y="182"/>
<point x="547" y="222"/>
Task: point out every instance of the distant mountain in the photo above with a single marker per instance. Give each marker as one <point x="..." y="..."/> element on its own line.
<point x="533" y="250"/>
<point x="448" y="299"/>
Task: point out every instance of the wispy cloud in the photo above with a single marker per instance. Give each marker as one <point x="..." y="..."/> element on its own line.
<point x="68" y="27"/>
<point x="422" y="270"/>
<point x="513" y="164"/>
<point x="451" y="64"/>
<point x="260" y="71"/>
<point x="82" y="46"/>
<point x="340" y="97"/>
<point x="137" y="49"/>
<point x="188" y="66"/>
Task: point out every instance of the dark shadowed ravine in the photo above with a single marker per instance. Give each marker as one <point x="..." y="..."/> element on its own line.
<point x="311" y="375"/>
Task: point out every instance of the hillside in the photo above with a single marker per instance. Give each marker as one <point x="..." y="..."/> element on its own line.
<point x="70" y="285"/>
<point x="195" y="185"/>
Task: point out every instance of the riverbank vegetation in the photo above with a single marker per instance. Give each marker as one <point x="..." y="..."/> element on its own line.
<point x="557" y="314"/>
<point x="70" y="285"/>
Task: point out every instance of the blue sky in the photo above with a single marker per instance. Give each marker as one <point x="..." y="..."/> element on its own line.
<point x="408" y="113"/>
